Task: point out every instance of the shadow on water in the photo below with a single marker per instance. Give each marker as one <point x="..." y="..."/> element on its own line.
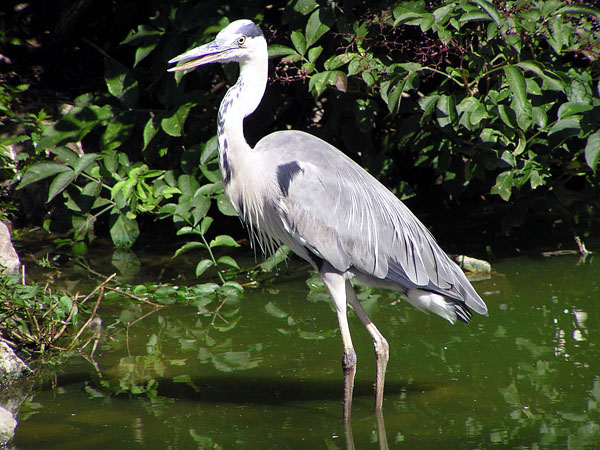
<point x="243" y="389"/>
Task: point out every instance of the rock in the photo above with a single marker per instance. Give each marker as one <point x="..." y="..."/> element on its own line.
<point x="9" y="260"/>
<point x="11" y="366"/>
<point x="472" y="264"/>
<point x="8" y="423"/>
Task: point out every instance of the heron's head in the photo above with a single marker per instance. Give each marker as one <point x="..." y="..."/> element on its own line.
<point x="238" y="41"/>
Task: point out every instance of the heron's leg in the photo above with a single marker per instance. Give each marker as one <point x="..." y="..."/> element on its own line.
<point x="335" y="283"/>
<point x="382" y="351"/>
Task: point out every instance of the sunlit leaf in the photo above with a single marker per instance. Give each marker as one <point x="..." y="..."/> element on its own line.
<point x="224" y="241"/>
<point x="150" y="130"/>
<point x="173" y="125"/>
<point x="503" y="186"/>
<point x="569" y="108"/>
<point x="314" y="29"/>
<point x="516" y="81"/>
<point x="490" y="9"/>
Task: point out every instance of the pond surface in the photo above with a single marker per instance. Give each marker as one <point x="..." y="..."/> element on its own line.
<point x="265" y="372"/>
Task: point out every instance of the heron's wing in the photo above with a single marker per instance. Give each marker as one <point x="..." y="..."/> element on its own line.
<point x="340" y="213"/>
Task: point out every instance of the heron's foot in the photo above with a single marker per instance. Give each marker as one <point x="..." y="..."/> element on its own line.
<point x="349" y="368"/>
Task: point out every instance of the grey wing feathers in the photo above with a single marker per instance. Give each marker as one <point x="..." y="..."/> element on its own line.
<point x="334" y="208"/>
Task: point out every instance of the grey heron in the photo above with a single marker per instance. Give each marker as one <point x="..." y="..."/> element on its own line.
<point x="295" y="189"/>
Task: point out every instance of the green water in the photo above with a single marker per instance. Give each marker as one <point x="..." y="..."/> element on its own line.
<point x="526" y="377"/>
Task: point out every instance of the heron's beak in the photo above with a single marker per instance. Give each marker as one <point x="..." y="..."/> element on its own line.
<point x="198" y="56"/>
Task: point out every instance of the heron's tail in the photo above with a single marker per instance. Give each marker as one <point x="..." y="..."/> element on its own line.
<point x="448" y="308"/>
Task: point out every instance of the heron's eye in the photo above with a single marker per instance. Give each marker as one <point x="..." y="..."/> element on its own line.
<point x="241" y="40"/>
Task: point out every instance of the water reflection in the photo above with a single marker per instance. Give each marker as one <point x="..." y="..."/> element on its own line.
<point x="269" y="376"/>
<point x="381" y="433"/>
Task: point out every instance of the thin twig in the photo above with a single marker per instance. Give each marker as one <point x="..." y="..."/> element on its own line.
<point x="135" y="297"/>
<point x="216" y="313"/>
<point x="100" y="286"/>
<point x="85" y="325"/>
<point x="66" y="323"/>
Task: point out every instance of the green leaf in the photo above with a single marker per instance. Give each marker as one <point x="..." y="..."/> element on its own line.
<point x="443" y="13"/>
<point x="190" y="245"/>
<point x="516" y="82"/>
<point x="568" y="126"/>
<point x="85" y="161"/>
<point x="391" y="93"/>
<point x="569" y="109"/>
<point x="314" y="29"/>
<point x="521" y="145"/>
<point x="277" y="50"/>
<point x="592" y="150"/>
<point x="319" y="81"/>
<point x="299" y="41"/>
<point x="490" y="9"/>
<point x="228" y="261"/>
<point x="337" y="61"/>
<point x="225" y="206"/>
<point x="223" y="240"/>
<point x="539" y="116"/>
<point x="509" y="158"/>
<point x="408" y="10"/>
<point x="41" y="170"/>
<point x="304" y="6"/>
<point x="142" y="52"/>
<point x="503" y="186"/>
<point x="551" y="80"/>
<point x="209" y="150"/>
<point x="205" y="224"/>
<point x="121" y="82"/>
<point x="74" y="126"/>
<point x="313" y="53"/>
<point x="203" y="266"/>
<point x="173" y="125"/>
<point x="123" y="231"/>
<point x="446" y="111"/>
<point x="150" y="130"/>
<point x="507" y="115"/>
<point x="60" y="182"/>
<point x="428" y="105"/>
<point x="425" y="22"/>
<point x="577" y="9"/>
<point x="475" y="16"/>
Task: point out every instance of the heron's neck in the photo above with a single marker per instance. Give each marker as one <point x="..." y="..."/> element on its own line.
<point x="240" y="101"/>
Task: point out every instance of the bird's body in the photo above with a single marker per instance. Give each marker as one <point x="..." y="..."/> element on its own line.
<point x="296" y="189"/>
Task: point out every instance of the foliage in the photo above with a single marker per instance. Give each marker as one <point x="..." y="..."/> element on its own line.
<point x="34" y="318"/>
<point x="497" y="98"/>
<point x="481" y="99"/>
